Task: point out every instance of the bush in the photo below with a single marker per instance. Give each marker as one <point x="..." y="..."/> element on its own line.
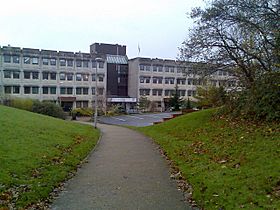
<point x="21" y="103"/>
<point x="260" y="102"/>
<point x="48" y="108"/>
<point x="211" y="96"/>
<point x="114" y="110"/>
<point x="85" y="112"/>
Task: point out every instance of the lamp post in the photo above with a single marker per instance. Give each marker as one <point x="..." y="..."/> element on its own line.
<point x="96" y="93"/>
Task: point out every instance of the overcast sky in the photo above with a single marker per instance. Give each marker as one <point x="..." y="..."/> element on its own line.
<point x="158" y="26"/>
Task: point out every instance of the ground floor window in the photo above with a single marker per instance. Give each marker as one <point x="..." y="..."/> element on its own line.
<point x="82" y="104"/>
<point x="12" y="89"/>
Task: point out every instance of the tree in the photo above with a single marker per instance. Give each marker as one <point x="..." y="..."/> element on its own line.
<point x="237" y="35"/>
<point x="144" y="103"/>
<point x="210" y="96"/>
<point x="175" y="100"/>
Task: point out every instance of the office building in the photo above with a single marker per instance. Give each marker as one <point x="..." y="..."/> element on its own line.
<point x="68" y="78"/>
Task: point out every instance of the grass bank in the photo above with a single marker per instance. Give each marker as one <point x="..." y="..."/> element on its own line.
<point x="231" y="165"/>
<point x="36" y="154"/>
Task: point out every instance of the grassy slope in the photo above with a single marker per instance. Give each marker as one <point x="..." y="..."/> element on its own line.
<point x="230" y="165"/>
<point x="36" y="153"/>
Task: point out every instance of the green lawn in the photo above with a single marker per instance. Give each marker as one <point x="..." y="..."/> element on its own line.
<point x="37" y="153"/>
<point x="230" y="164"/>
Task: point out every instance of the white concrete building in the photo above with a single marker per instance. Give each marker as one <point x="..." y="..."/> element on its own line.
<point x="67" y="78"/>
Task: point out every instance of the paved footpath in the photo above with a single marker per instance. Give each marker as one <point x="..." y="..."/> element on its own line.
<point x="125" y="171"/>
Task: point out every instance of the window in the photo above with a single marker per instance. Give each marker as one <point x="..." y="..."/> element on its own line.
<point x="85" y="77"/>
<point x="166" y="69"/>
<point x="78" y="77"/>
<point x="93" y="90"/>
<point x="26" y="60"/>
<point x="35" y="75"/>
<point x="189" y="92"/>
<point x="62" y="76"/>
<point x="16" y="74"/>
<point x="147" y="79"/>
<point x="81" y="91"/>
<point x="169" y="80"/>
<point x="69" y="91"/>
<point x="181" y="81"/>
<point x="35" y="90"/>
<point x="148" y="68"/>
<point x="78" y="104"/>
<point x="53" y="90"/>
<point x="7" y="74"/>
<point x="45" y="75"/>
<point x="26" y="74"/>
<point x="142" y="67"/>
<point x="85" y="91"/>
<point x="142" y="79"/>
<point x="100" y="78"/>
<point x="66" y="90"/>
<point x="8" y="89"/>
<point x="159" y="68"/>
<point x="182" y="93"/>
<point x="27" y="90"/>
<point x="85" y="64"/>
<point x="101" y="65"/>
<point x="69" y="77"/>
<point x="154" y="68"/>
<point x="157" y="80"/>
<point x="69" y="62"/>
<point x="45" y="90"/>
<point x="7" y="59"/>
<point x="15" y="58"/>
<point x="93" y="76"/>
<point x="53" y="61"/>
<point x="62" y="62"/>
<point x="62" y="90"/>
<point x="53" y="76"/>
<point x="45" y="61"/>
<point x="11" y="89"/>
<point x="94" y="64"/>
<point x="78" y="63"/>
<point x="171" y="69"/>
<point x="16" y="89"/>
<point x="78" y="91"/>
<point x="157" y="92"/>
<point x="179" y="70"/>
<point x="144" y="92"/>
<point x="35" y="60"/>
<point x="190" y="81"/>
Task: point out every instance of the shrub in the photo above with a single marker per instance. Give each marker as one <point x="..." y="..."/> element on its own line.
<point x="211" y="96"/>
<point x="114" y="110"/>
<point x="85" y="112"/>
<point x="260" y="102"/>
<point x="48" y="108"/>
<point x="20" y="103"/>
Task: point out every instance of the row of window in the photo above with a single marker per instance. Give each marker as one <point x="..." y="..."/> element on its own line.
<point x="53" y="61"/>
<point x="169" y="80"/>
<point x="160" y="68"/>
<point x="159" y="92"/>
<point x="9" y="89"/>
<point x="52" y="76"/>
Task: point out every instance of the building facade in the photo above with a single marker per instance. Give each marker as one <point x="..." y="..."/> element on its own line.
<point x="69" y="78"/>
<point x="156" y="79"/>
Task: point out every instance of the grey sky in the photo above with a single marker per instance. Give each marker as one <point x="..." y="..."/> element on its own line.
<point x="159" y="26"/>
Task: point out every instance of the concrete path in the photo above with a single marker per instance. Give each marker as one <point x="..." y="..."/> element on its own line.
<point x="125" y="171"/>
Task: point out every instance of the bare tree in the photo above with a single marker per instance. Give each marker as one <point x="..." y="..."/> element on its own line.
<point x="238" y="35"/>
